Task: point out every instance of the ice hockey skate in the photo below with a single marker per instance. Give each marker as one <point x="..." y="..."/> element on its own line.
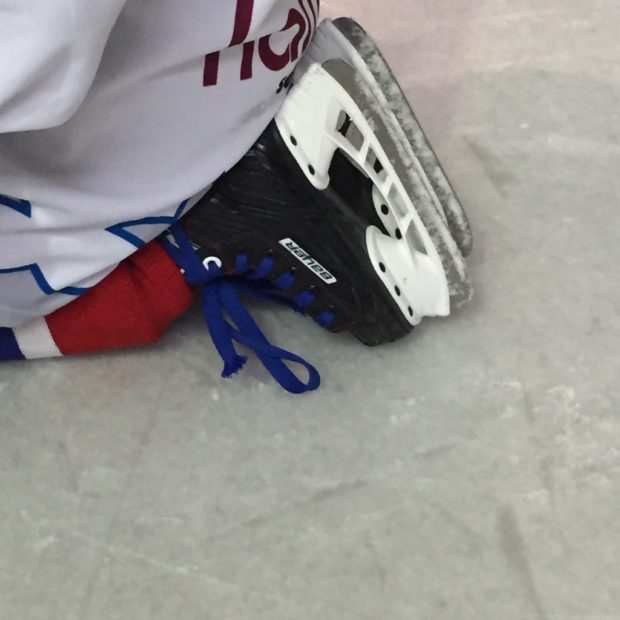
<point x="331" y="213"/>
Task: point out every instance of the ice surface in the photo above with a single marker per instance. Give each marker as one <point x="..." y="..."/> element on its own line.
<point x="470" y="472"/>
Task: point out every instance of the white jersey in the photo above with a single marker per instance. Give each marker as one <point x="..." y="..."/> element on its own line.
<point x="115" y="117"/>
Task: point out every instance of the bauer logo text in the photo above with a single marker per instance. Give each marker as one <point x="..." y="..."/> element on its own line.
<point x="303" y="257"/>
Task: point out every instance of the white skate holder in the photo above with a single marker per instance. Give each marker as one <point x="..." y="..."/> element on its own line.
<point x="320" y="117"/>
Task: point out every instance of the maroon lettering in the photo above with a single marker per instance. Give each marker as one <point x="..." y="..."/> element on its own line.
<point x="212" y="69"/>
<point x="271" y="60"/>
<point x="308" y="21"/>
<point x="295" y="19"/>
<point x="304" y="23"/>
<point x="277" y="62"/>
<point x="314" y="12"/>
<point x="241" y="29"/>
<point x="243" y="21"/>
<point x="247" y="62"/>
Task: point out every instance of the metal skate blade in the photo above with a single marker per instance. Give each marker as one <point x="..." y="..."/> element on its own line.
<point x="330" y="108"/>
<point x="346" y="39"/>
<point x="416" y="190"/>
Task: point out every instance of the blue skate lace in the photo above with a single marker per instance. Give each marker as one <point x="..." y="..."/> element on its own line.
<point x="220" y="297"/>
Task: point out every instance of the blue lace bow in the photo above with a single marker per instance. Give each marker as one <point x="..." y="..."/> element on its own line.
<point x="221" y="298"/>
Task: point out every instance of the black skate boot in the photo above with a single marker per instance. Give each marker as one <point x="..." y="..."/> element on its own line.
<point x="264" y="221"/>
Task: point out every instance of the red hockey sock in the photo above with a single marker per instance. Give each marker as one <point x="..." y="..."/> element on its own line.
<point x="133" y="306"/>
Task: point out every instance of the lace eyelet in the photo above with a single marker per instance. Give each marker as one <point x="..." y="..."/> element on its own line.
<point x="212" y="259"/>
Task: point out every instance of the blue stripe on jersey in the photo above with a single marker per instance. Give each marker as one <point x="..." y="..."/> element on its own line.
<point x="121" y="230"/>
<point x="43" y="284"/>
<point x="21" y="206"/>
<point x="9" y="349"/>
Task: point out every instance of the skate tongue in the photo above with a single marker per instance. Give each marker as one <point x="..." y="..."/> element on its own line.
<point x="220" y="298"/>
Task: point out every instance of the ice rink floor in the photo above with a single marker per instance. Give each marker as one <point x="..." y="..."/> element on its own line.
<point x="469" y="473"/>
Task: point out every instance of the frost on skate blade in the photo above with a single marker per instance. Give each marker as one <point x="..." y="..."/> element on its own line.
<point x="398" y="156"/>
<point x="344" y="38"/>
